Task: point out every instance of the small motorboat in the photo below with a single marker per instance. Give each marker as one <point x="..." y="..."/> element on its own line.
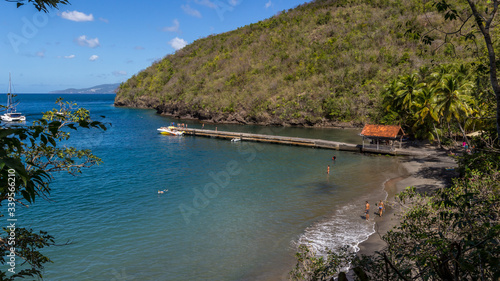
<point x="170" y="130"/>
<point x="236" y="139"/>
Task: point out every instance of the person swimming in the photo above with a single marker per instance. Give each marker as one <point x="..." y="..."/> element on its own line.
<point x="162" y="191"/>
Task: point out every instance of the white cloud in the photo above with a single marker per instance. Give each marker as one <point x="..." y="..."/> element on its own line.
<point x="70" y="57"/>
<point x="119" y="73"/>
<point x="104" y="20"/>
<point x="177" y="43"/>
<point x="190" y="11"/>
<point x="234" y="2"/>
<point x="93" y="57"/>
<point x="40" y="54"/>
<point x="174" y="28"/>
<point x="76" y="16"/>
<point x="269" y="4"/>
<point x="91" y="42"/>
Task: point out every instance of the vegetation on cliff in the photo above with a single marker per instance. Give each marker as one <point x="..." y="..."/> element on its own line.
<point x="320" y="63"/>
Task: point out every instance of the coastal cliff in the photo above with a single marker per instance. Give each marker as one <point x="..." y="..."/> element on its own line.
<point x="324" y="63"/>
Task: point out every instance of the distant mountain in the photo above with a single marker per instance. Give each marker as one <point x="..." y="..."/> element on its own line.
<point x="99" y="89"/>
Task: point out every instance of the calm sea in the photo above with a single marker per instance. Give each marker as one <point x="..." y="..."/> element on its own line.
<point x="233" y="211"/>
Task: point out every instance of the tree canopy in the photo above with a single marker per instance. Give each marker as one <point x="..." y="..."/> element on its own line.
<point x="471" y="19"/>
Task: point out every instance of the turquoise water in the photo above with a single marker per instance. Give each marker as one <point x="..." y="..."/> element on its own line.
<point x="233" y="211"/>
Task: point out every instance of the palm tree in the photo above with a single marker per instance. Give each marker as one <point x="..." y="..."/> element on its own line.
<point x="453" y="100"/>
<point x="426" y="114"/>
<point x="441" y="71"/>
<point x="407" y="90"/>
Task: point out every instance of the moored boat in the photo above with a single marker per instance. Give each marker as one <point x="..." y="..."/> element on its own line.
<point x="11" y="115"/>
<point x="171" y="130"/>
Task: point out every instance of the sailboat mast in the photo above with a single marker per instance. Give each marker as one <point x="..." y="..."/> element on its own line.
<point x="10" y="102"/>
<point x="9" y="97"/>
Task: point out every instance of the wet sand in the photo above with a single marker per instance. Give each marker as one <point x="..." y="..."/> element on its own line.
<point x="426" y="173"/>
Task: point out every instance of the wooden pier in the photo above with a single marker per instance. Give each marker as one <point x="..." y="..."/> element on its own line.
<point x="314" y="143"/>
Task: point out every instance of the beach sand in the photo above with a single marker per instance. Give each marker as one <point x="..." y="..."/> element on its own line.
<point x="426" y="173"/>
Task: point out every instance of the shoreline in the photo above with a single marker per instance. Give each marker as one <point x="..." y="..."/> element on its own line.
<point x="426" y="173"/>
<point x="181" y="113"/>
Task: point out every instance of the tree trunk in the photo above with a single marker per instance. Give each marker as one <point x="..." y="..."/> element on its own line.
<point x="437" y="135"/>
<point x="463" y="132"/>
<point x="484" y="27"/>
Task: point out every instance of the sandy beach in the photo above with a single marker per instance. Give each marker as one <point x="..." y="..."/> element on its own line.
<point x="426" y="173"/>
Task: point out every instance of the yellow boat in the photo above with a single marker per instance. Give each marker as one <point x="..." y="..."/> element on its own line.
<point x="170" y="130"/>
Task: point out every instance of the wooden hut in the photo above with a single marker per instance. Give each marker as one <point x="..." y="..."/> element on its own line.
<point x="383" y="134"/>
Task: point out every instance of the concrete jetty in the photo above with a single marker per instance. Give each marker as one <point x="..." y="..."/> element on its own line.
<point x="314" y="143"/>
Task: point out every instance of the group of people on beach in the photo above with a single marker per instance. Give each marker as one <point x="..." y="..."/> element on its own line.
<point x="381" y="209"/>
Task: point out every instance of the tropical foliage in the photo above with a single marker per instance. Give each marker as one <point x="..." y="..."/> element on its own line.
<point x="470" y="20"/>
<point x="41" y="5"/>
<point x="438" y="102"/>
<point x="312" y="267"/>
<point x="28" y="157"/>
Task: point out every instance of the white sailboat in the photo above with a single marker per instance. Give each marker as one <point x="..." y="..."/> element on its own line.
<point x="11" y="115"/>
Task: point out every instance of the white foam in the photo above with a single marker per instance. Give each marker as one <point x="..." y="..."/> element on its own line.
<point x="344" y="228"/>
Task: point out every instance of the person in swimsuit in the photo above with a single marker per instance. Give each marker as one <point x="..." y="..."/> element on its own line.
<point x="367" y="210"/>
<point x="381" y="208"/>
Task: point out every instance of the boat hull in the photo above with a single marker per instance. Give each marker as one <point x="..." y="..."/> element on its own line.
<point x="170" y="131"/>
<point x="8" y="118"/>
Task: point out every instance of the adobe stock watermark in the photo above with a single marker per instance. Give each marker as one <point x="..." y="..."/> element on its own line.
<point x="220" y="180"/>
<point x="11" y="220"/>
<point x="221" y="7"/>
<point x="201" y="199"/>
<point x="28" y="30"/>
<point x="120" y="276"/>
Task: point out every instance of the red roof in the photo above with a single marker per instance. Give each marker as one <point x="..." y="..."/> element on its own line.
<point x="382" y="131"/>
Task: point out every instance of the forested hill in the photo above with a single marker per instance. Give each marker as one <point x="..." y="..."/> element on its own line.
<point x="321" y="63"/>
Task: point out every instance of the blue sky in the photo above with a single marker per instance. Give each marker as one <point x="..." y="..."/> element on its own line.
<point x="92" y="42"/>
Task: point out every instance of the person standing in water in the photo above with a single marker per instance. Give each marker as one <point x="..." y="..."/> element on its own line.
<point x="381" y="207"/>
<point x="367" y="210"/>
<point x="328" y="170"/>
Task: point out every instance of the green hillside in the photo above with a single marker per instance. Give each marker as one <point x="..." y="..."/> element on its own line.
<point x="321" y="63"/>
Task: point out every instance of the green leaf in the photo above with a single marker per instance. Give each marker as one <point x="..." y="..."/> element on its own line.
<point x="54" y="127"/>
<point x="6" y="132"/>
